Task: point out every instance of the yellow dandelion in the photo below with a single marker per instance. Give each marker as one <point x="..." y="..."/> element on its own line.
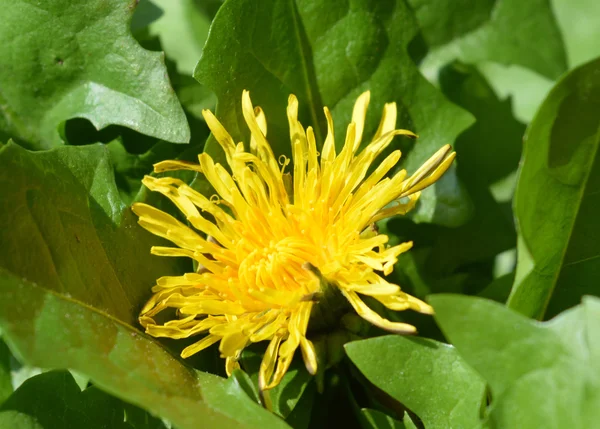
<point x="268" y="255"/>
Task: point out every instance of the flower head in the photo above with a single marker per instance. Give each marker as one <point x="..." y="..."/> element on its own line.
<point x="268" y="246"/>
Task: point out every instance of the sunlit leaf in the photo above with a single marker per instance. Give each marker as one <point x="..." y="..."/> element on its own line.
<point x="540" y="374"/>
<point x="557" y="203"/>
<point x="426" y="376"/>
<point x="77" y="59"/>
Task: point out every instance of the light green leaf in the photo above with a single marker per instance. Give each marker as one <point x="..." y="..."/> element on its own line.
<point x="557" y="203"/>
<point x="182" y="29"/>
<point x="428" y="377"/>
<point x="327" y="53"/>
<point x="499" y="39"/>
<point x="70" y="294"/>
<point x="578" y="22"/>
<point x="77" y="59"/>
<point x="540" y="374"/>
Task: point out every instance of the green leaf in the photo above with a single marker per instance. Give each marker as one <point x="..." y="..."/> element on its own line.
<point x="55" y="331"/>
<point x="556" y="203"/>
<point x="578" y="22"/>
<point x="182" y="29"/>
<point x="499" y="39"/>
<point x="428" y="377"/>
<point x="373" y="419"/>
<point x="540" y="374"/>
<point x="5" y="377"/>
<point x="77" y="59"/>
<point x="443" y="21"/>
<point x="53" y="400"/>
<point x="80" y="239"/>
<point x="327" y="53"/>
<point x="70" y="294"/>
<point x="283" y="398"/>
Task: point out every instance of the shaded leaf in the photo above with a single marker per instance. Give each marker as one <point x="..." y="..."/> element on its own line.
<point x="557" y="203"/>
<point x="283" y="398"/>
<point x="373" y="419"/>
<point x="540" y="374"/>
<point x="428" y="377"/>
<point x="70" y="233"/>
<point x="328" y="53"/>
<point x="499" y="39"/>
<point x="5" y="378"/>
<point x="53" y="400"/>
<point x="70" y="295"/>
<point x="78" y="59"/>
<point x="55" y="331"/>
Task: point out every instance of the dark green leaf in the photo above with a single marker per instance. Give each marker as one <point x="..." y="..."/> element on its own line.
<point x="443" y="21"/>
<point x="67" y="59"/>
<point x="540" y="374"/>
<point x="283" y="398"/>
<point x="499" y="39"/>
<point x="557" y="203"/>
<point x="428" y="377"/>
<point x="70" y="233"/>
<point x="5" y="377"/>
<point x="53" y="399"/>
<point x="328" y="53"/>
<point x="373" y="419"/>
<point x="55" y="331"/>
<point x="70" y="294"/>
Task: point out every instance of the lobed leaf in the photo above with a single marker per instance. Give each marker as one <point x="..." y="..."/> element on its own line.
<point x="77" y="59"/>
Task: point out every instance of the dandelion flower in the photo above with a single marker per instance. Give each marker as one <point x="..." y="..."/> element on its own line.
<point x="270" y="247"/>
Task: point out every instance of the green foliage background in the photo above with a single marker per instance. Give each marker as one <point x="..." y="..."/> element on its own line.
<point x="93" y="92"/>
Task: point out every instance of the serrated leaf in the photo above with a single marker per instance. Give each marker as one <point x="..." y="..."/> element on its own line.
<point x="428" y="377"/>
<point x="557" y="203"/>
<point x="499" y="39"/>
<point x="540" y="374"/>
<point x="77" y="59"/>
<point x="70" y="293"/>
<point x="327" y="53"/>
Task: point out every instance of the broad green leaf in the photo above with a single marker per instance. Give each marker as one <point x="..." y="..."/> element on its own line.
<point x="54" y="400"/>
<point x="182" y="29"/>
<point x="5" y="377"/>
<point x="53" y="330"/>
<point x="75" y="271"/>
<point x="540" y="374"/>
<point x="77" y="59"/>
<point x="70" y="233"/>
<point x="443" y="21"/>
<point x="578" y="22"/>
<point x="428" y="377"/>
<point x="557" y="203"/>
<point x="328" y="53"/>
<point x="499" y="39"/>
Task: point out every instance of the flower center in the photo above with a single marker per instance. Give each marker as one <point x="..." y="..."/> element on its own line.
<point x="278" y="266"/>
